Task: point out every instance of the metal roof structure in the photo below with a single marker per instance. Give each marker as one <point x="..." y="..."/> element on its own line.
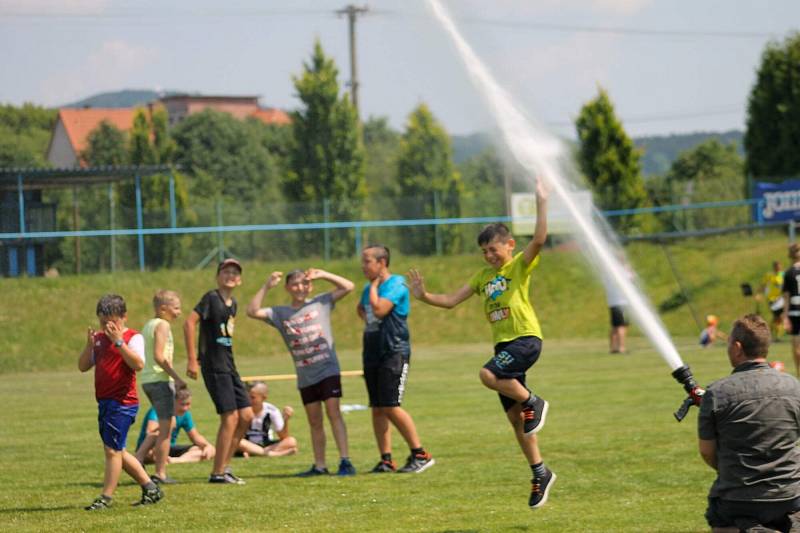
<point x="38" y="178"/>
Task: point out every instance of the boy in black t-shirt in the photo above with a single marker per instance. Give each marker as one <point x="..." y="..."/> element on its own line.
<point x="791" y="305"/>
<point x="216" y="312"/>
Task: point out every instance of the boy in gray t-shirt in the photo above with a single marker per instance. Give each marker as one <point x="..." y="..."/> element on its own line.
<point x="305" y="325"/>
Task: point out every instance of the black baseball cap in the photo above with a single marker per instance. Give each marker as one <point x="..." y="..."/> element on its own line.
<point x="228" y="262"/>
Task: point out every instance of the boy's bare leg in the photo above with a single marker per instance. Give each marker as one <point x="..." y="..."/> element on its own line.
<point x="796" y="354"/>
<point x="134" y="468"/>
<point x="383" y="434"/>
<point x="287" y="446"/>
<point x="144" y="453"/>
<point x="404" y="424"/>
<point x="228" y="423"/>
<point x="317" y="426"/>
<point x="245" y="416"/>
<point x="161" y="448"/>
<point x="507" y="387"/>
<point x="621" y="331"/>
<point x="528" y="445"/>
<point x="112" y="471"/>
<point x="337" y="426"/>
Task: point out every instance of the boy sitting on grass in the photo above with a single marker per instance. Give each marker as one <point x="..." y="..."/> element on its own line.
<point x="268" y="422"/>
<point x="504" y="286"/>
<point x="116" y="353"/>
<point x="199" y="450"/>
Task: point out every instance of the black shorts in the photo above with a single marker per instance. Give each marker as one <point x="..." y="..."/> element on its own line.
<point x="227" y="391"/>
<point x="179" y="449"/>
<point x="726" y="513"/>
<point x="512" y="359"/>
<point x="777" y="313"/>
<point x="386" y="382"/>
<point x="795" y="321"/>
<point x="330" y="387"/>
<point x="617" y="313"/>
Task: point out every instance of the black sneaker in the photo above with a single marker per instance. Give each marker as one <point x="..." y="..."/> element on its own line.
<point x="540" y="489"/>
<point x="228" y="473"/>
<point x="166" y="480"/>
<point x="534" y="417"/>
<point x="99" y="504"/>
<point x="346" y="468"/>
<point x="384" y="467"/>
<point x="150" y="496"/>
<point x="417" y="463"/>
<point x="223" y="479"/>
<point x="314" y="471"/>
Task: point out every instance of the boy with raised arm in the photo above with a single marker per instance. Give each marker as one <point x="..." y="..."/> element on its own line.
<point x="216" y="313"/>
<point x="504" y="286"/>
<point x="116" y="353"/>
<point x="305" y="325"/>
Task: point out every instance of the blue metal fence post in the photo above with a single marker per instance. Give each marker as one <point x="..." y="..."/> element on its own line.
<point x="437" y="230"/>
<point x="358" y="240"/>
<point x="220" y="239"/>
<point x="30" y="260"/>
<point x="326" y="232"/>
<point x="21" y="198"/>
<point x="139" y="222"/>
<point x="13" y="262"/>
<point x="173" y="214"/>
<point x="111" y="226"/>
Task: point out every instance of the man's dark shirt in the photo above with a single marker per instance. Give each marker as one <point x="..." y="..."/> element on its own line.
<point x="754" y="415"/>
<point x="216" y="333"/>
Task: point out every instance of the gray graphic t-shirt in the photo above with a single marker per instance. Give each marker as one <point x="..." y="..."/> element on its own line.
<point x="307" y="333"/>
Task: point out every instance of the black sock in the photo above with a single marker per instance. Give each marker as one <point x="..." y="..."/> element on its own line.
<point x="386" y="457"/>
<point x="418" y="451"/>
<point x="529" y="401"/>
<point x="538" y="470"/>
<point x="149" y="486"/>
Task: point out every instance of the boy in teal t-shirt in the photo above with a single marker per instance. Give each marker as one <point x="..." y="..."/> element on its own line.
<point x="504" y="286"/>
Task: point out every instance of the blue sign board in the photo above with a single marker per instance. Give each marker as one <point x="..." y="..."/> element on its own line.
<point x="776" y="201"/>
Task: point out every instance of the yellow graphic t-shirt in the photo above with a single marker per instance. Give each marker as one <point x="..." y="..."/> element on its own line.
<point x="773" y="285"/>
<point x="506" y="299"/>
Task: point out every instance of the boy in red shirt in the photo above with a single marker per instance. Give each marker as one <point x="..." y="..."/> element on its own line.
<point x="116" y="353"/>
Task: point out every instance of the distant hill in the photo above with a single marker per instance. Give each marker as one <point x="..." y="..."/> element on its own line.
<point x="124" y="98"/>
<point x="659" y="151"/>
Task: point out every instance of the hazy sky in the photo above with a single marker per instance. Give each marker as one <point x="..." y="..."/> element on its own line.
<point x="668" y="65"/>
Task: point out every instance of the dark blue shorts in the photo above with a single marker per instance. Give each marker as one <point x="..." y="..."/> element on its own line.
<point x="512" y="359"/>
<point x="227" y="391"/>
<point x="114" y="420"/>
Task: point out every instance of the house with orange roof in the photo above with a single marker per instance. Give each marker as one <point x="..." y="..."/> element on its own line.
<point x="73" y="125"/>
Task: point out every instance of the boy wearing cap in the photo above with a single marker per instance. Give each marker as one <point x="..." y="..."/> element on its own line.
<point x="215" y="313"/>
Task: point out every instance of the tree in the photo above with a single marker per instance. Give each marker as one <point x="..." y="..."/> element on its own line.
<point x="381" y="145"/>
<point x="609" y="160"/>
<point x="709" y="172"/>
<point x="428" y="182"/>
<point x="773" y="113"/>
<point x="105" y="146"/>
<point x="326" y="158"/>
<point x="24" y="134"/>
<point x="484" y="178"/>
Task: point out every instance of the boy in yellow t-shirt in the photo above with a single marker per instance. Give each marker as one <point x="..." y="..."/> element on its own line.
<point x="504" y="286"/>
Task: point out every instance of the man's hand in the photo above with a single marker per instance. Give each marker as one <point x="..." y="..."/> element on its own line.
<point x="274" y="279"/>
<point x="314" y="273"/>
<point x="417" y="285"/>
<point x="542" y="188"/>
<point x="180" y="384"/>
<point x="90" y="332"/>
<point x="288" y="412"/>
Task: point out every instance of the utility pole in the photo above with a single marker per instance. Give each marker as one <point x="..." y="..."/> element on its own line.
<point x="352" y="13"/>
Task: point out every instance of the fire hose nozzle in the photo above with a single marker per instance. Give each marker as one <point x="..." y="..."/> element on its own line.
<point x="683" y="375"/>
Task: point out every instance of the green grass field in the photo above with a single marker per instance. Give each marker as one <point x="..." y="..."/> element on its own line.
<point x="623" y="462"/>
